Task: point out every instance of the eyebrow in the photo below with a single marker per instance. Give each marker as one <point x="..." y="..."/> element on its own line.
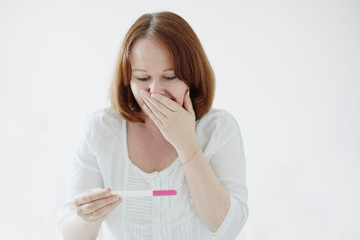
<point x="141" y="70"/>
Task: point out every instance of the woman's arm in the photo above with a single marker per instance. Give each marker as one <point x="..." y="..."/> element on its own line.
<point x="92" y="207"/>
<point x="211" y="199"/>
<point x="74" y="227"/>
<point x="87" y="203"/>
<point x="225" y="157"/>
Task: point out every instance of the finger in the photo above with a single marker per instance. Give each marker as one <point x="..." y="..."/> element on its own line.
<point x="187" y="102"/>
<point x="104" y="211"/>
<point x="157" y="122"/>
<point x="91" y="195"/>
<point x="154" y="110"/>
<point x="96" y="205"/>
<point x="159" y="105"/>
<point x="167" y="102"/>
<point x="150" y="103"/>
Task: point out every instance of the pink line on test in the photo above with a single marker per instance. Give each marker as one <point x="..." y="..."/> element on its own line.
<point x="164" y="192"/>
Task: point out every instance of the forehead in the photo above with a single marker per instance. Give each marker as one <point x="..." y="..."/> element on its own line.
<point x="149" y="54"/>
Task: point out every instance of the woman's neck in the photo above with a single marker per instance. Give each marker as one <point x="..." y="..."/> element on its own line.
<point x="148" y="127"/>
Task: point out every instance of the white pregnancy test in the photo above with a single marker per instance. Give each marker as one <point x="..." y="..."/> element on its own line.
<point x="145" y="193"/>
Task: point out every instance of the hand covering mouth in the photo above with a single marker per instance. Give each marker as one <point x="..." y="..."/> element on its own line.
<point x="167" y="95"/>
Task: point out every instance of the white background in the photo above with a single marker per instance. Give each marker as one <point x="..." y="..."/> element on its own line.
<point x="289" y="71"/>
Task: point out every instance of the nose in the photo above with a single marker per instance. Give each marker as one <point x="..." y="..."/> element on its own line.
<point x="156" y="86"/>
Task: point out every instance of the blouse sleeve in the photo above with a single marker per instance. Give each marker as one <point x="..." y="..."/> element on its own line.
<point x="85" y="173"/>
<point x="228" y="163"/>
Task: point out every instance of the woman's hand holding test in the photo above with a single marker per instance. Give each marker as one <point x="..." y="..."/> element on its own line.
<point x="96" y="204"/>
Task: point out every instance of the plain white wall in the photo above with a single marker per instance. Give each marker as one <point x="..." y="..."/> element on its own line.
<point x="287" y="70"/>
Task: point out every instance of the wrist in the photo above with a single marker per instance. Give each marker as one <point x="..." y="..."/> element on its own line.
<point x="187" y="160"/>
<point x="188" y="150"/>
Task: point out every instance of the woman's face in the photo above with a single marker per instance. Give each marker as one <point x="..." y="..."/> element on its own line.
<point x="153" y="72"/>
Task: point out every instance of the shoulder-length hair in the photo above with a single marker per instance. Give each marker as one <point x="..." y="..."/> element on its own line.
<point x="186" y="53"/>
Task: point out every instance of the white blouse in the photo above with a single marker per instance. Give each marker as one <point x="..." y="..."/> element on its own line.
<point x="102" y="160"/>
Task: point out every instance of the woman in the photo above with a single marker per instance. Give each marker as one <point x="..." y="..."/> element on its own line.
<point x="159" y="133"/>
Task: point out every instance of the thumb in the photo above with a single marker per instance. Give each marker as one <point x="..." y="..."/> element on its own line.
<point x="187" y="102"/>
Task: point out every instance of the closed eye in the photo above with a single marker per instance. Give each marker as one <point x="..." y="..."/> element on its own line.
<point x="170" y="78"/>
<point x="143" y="79"/>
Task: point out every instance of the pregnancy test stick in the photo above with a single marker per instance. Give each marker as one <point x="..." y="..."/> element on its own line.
<point x="145" y="193"/>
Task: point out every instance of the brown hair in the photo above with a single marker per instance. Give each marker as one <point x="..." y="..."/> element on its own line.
<point x="186" y="53"/>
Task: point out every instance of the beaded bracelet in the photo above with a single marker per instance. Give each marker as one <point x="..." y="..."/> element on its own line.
<point x="189" y="159"/>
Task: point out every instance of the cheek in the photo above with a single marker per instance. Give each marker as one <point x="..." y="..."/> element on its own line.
<point x="135" y="89"/>
<point x="180" y="93"/>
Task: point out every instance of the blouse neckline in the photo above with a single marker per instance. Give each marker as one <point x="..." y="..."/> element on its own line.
<point x="174" y="164"/>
